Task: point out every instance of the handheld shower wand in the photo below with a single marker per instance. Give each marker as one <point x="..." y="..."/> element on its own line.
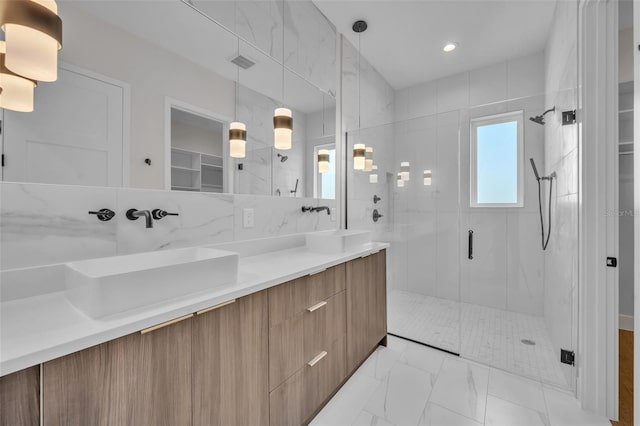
<point x="545" y="241"/>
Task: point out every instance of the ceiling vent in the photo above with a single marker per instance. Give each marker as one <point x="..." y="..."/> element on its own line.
<point x="243" y="62"/>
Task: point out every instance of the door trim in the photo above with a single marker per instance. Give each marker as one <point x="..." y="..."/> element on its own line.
<point x="597" y="355"/>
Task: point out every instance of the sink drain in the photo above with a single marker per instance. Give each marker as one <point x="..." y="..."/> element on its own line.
<point x="528" y="342"/>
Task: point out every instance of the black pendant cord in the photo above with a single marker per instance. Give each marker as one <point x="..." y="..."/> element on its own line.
<point x="237" y="83"/>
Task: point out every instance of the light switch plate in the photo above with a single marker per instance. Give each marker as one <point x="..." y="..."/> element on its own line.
<point x="247" y="218"/>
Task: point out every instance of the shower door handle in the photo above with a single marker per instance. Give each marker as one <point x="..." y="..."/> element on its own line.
<point x="470" y="253"/>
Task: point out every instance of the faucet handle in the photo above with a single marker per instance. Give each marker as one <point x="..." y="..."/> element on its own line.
<point x="104" y="214"/>
<point x="159" y="214"/>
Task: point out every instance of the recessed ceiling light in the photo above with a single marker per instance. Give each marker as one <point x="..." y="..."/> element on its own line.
<point x="450" y="47"/>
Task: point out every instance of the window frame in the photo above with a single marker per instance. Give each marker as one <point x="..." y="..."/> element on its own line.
<point x="475" y="123"/>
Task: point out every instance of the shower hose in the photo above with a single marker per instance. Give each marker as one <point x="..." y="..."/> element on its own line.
<point x="545" y="241"/>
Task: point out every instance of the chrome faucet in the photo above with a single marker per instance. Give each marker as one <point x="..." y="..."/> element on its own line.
<point x="133" y="214"/>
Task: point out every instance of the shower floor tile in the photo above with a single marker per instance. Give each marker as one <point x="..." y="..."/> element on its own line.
<point x="488" y="335"/>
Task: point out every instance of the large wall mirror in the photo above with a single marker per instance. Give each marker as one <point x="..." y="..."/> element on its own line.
<point x="146" y="91"/>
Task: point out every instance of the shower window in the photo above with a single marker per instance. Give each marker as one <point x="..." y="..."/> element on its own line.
<point x="325" y="183"/>
<point x="497" y="160"/>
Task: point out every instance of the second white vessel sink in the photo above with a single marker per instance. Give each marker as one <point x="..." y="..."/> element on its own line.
<point x="337" y="241"/>
<point x="111" y="285"/>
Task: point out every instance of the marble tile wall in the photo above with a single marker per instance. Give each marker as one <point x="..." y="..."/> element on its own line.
<point x="368" y="104"/>
<point x="45" y="224"/>
<point x="309" y="38"/>
<point x="432" y="122"/>
<point x="561" y="156"/>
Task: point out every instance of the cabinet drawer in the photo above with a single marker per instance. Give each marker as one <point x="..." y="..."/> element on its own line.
<point x="295" y="400"/>
<point x="293" y="297"/>
<point x="323" y="285"/>
<point x="325" y="324"/>
<point x="298" y="339"/>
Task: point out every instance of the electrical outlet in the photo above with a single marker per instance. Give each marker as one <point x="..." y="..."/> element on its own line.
<point x="247" y="218"/>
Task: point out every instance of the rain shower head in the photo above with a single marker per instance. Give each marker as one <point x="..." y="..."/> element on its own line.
<point x="540" y="118"/>
<point x="282" y="158"/>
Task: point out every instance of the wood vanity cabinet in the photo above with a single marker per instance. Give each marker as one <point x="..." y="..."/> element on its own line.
<point x="20" y="398"/>
<point x="230" y="374"/>
<point x="270" y="358"/>
<point x="307" y="344"/>
<point x="208" y="369"/>
<point x="139" y="379"/>
<point x="366" y="306"/>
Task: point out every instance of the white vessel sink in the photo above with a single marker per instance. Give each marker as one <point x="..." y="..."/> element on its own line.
<point x="110" y="285"/>
<point x="336" y="241"/>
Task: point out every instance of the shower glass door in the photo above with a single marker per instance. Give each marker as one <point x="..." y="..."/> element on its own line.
<point x="421" y="222"/>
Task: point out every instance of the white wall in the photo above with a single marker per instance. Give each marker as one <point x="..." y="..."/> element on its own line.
<point x="561" y="156"/>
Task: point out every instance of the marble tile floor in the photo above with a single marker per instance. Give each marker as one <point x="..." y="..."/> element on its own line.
<point x="407" y="384"/>
<point x="487" y="335"/>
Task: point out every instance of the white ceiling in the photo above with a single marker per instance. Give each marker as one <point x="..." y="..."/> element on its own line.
<point x="405" y="38"/>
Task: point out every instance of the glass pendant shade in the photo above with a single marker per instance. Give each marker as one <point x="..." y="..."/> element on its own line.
<point x="17" y="91"/>
<point x="282" y="128"/>
<point x="427" y="177"/>
<point x="358" y="156"/>
<point x="323" y="161"/>
<point x="237" y="139"/>
<point x="404" y="170"/>
<point x="368" y="158"/>
<point x="33" y="33"/>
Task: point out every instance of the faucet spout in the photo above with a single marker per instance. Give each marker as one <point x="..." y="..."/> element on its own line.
<point x="321" y="208"/>
<point x="133" y="214"/>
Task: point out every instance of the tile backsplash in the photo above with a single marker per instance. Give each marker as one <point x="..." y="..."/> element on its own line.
<point x="44" y="224"/>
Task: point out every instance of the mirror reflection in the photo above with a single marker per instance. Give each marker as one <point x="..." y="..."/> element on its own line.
<point x="146" y="93"/>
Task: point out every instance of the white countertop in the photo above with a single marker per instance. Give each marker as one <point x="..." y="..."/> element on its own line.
<point x="37" y="329"/>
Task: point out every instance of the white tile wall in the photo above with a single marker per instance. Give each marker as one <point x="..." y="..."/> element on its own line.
<point x="46" y="224"/>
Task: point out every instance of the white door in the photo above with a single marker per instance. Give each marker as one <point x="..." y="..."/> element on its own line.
<point x="73" y="136"/>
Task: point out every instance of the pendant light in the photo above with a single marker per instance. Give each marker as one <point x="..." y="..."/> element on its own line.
<point x="359" y="149"/>
<point x="33" y="33"/>
<point x="368" y="158"/>
<point x="323" y="161"/>
<point x="427" y="177"/>
<point x="16" y="91"/>
<point x="237" y="129"/>
<point x="282" y="117"/>
<point x="404" y="170"/>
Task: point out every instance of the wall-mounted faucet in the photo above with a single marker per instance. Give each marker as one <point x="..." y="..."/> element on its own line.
<point x="316" y="209"/>
<point x="134" y="214"/>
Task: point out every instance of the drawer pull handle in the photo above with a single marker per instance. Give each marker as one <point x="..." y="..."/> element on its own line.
<point x="317" y="358"/>
<point x="316" y="306"/>
<point x="213" y="308"/>
<point x="164" y="324"/>
<point x="317" y="272"/>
